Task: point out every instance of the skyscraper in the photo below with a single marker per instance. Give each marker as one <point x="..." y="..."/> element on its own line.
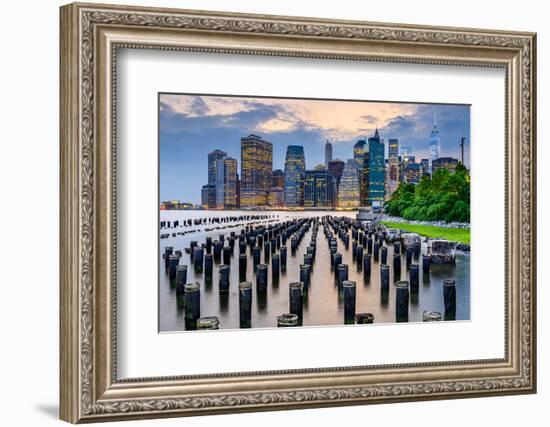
<point x="212" y="158"/>
<point x="319" y="189"/>
<point x="295" y="167"/>
<point x="435" y="144"/>
<point x="328" y="153"/>
<point x="376" y="169"/>
<point x="393" y="164"/>
<point x="278" y="178"/>
<point x="412" y="173"/>
<point x="336" y="168"/>
<point x="219" y="183"/>
<point x="349" y="189"/>
<point x="359" y="153"/>
<point x="230" y="183"/>
<point x="425" y="163"/>
<point x="256" y="170"/>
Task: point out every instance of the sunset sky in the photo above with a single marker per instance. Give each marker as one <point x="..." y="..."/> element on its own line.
<point x="190" y="126"/>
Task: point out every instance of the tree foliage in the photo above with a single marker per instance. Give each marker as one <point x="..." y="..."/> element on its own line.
<point x="445" y="196"/>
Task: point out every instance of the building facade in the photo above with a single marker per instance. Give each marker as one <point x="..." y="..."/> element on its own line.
<point x="393" y="165"/>
<point x="230" y="183"/>
<point x="256" y="171"/>
<point x="295" y="168"/>
<point x="319" y="189"/>
<point x="376" y="173"/>
<point x="448" y="163"/>
<point x="413" y="173"/>
<point x="278" y="178"/>
<point x="349" y="189"/>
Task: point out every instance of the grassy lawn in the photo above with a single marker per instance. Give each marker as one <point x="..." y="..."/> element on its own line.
<point x="460" y="235"/>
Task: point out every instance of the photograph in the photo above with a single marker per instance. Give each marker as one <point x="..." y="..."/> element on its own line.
<point x="288" y="212"/>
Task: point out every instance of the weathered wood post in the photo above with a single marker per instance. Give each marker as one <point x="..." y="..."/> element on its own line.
<point x="172" y="265"/>
<point x="283" y="256"/>
<point x="168" y="250"/>
<point x="366" y="267"/>
<point x="353" y="250"/>
<point x="287" y="320"/>
<point x="296" y="298"/>
<point x="426" y="264"/>
<point x="227" y="255"/>
<point x="181" y="280"/>
<point x="402" y="301"/>
<point x="224" y="278"/>
<point x="242" y="248"/>
<point x="414" y="281"/>
<point x="359" y="258"/>
<point x="384" y="255"/>
<point x="242" y="267"/>
<point x="192" y="304"/>
<point x="397" y="247"/>
<point x="208" y="245"/>
<point x="267" y="251"/>
<point x="275" y="267"/>
<point x="256" y="254"/>
<point x="261" y="278"/>
<point x="245" y="304"/>
<point x="342" y="274"/>
<point x="217" y="251"/>
<point x="396" y="267"/>
<point x="375" y="251"/>
<point x="408" y="256"/>
<point x="385" y="277"/>
<point x="449" y="299"/>
<point x="349" y="302"/>
<point x="305" y="271"/>
<point x="198" y="258"/>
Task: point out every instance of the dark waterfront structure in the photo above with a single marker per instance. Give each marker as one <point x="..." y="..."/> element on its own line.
<point x="256" y="171"/>
<point x="295" y="168"/>
<point x="319" y="189"/>
<point x="376" y="175"/>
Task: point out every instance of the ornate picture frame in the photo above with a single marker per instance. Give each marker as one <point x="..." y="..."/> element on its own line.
<point x="90" y="37"/>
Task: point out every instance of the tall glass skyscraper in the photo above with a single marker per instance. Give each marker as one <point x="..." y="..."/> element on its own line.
<point x="319" y="189"/>
<point x="295" y="167"/>
<point x="256" y="171"/>
<point x="435" y="144"/>
<point x="212" y="157"/>
<point x="328" y="154"/>
<point x="349" y="189"/>
<point x="376" y="169"/>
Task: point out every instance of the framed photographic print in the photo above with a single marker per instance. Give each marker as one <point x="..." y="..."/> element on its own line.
<point x="266" y="212"/>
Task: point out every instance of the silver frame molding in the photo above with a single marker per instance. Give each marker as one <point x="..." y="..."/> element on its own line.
<point x="90" y="37"/>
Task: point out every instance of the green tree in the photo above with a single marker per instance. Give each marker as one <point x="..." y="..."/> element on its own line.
<point x="445" y="196"/>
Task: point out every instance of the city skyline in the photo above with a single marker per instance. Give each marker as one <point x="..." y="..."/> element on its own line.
<point x="193" y="126"/>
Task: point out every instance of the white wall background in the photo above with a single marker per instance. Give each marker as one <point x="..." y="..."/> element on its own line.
<point x="29" y="170"/>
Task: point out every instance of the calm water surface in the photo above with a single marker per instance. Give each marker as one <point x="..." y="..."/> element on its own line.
<point x="324" y="306"/>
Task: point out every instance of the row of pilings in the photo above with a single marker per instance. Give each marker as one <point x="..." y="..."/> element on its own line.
<point x="368" y="244"/>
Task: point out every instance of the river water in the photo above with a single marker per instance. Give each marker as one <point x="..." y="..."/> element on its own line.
<point x="324" y="305"/>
